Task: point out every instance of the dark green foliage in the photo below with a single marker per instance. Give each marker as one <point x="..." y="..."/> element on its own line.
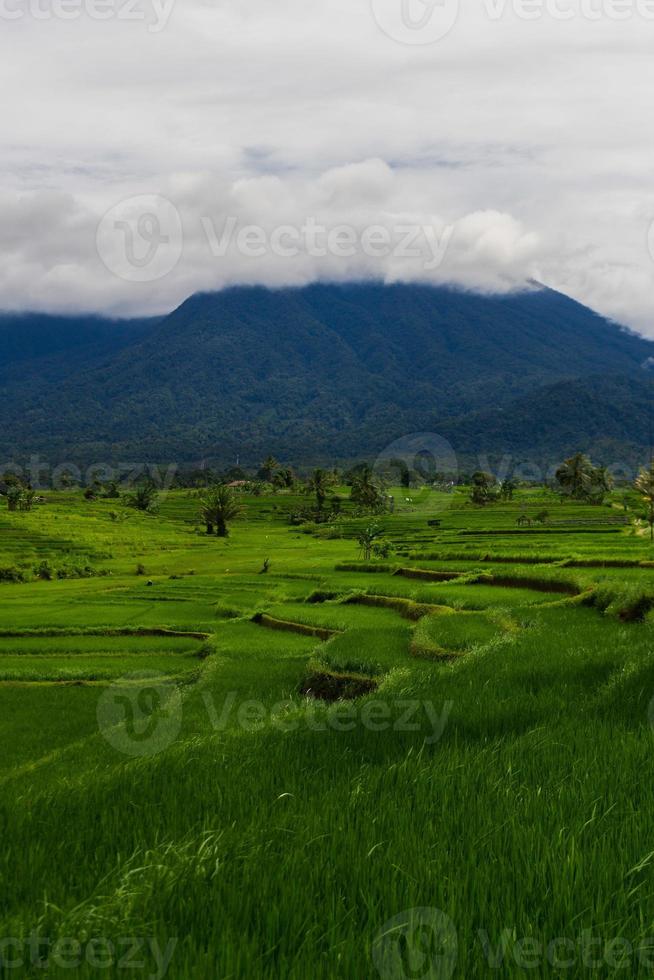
<point x="218" y="508"/>
<point x="144" y="497"/>
<point x="325" y="372"/>
<point x="578" y="479"/>
<point x="482" y="489"/>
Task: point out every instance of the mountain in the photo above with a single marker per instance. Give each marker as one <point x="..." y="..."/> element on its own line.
<point x="609" y="416"/>
<point x="26" y="337"/>
<point x="324" y="372"/>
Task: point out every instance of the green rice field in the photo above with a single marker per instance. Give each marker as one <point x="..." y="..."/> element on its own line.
<point x="431" y="765"/>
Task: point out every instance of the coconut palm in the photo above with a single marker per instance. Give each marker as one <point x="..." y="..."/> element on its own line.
<point x="601" y="482"/>
<point x="574" y="476"/>
<point x="268" y="469"/>
<point x="144" y="497"/>
<point x="365" y="490"/>
<point x="218" y="507"/>
<point x="319" y="483"/>
<point x="482" y="487"/>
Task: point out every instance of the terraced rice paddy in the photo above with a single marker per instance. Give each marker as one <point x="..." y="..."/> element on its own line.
<point x="262" y="774"/>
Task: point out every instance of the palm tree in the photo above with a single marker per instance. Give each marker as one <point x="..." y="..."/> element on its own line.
<point x="365" y="490"/>
<point x="144" y="497"/>
<point x="482" y="484"/>
<point x="319" y="483"/>
<point x="645" y="486"/>
<point x="601" y="482"/>
<point x="574" y="476"/>
<point x="268" y="468"/>
<point x="217" y="507"/>
<point x="507" y="489"/>
<point x="283" y="477"/>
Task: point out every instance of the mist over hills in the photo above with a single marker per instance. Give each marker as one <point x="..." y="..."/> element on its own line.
<point x="325" y="373"/>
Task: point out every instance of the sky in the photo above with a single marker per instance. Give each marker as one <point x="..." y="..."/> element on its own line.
<point x="154" y="148"/>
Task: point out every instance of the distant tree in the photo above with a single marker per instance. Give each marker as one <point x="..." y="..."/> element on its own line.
<point x="27" y="498"/>
<point x="367" y="538"/>
<point x="382" y="548"/>
<point x="144" y="497"/>
<point x="233" y="474"/>
<point x="482" y="489"/>
<point x="601" y="482"/>
<point x="366" y="491"/>
<point x="645" y="486"/>
<point x="507" y="489"/>
<point x="318" y="484"/>
<point x="579" y="479"/>
<point x="284" y="477"/>
<point x="268" y="469"/>
<point x="218" y="507"/>
<point x="66" y="480"/>
<point x="400" y="467"/>
<point x="573" y="476"/>
<point x="258" y="488"/>
<point x="14" y="493"/>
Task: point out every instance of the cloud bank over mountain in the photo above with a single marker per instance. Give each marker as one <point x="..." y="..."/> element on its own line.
<point x="315" y="146"/>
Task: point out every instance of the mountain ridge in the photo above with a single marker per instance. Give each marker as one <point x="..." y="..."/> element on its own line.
<point x="321" y="372"/>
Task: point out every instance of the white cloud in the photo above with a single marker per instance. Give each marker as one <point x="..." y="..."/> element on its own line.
<point x="521" y="145"/>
